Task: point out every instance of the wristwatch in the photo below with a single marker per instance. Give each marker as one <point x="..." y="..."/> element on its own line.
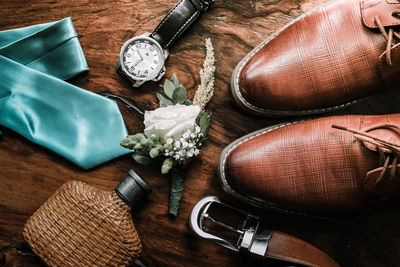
<point x="142" y="58"/>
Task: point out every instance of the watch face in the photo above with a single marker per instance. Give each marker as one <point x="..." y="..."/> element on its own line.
<point x="142" y="58"/>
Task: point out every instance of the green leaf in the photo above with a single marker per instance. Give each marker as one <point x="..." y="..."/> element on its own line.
<point x="176" y="193"/>
<point x="167" y="165"/>
<point x="128" y="142"/>
<point x="140" y="136"/>
<point x="164" y="101"/>
<point x="144" y="160"/>
<point x="167" y="146"/>
<point x="144" y="141"/>
<point x="154" y="152"/>
<point x="180" y="95"/>
<point x="204" y="123"/>
<point x="138" y="146"/>
<point x="175" y="80"/>
<point x="188" y="102"/>
<point x="160" y="147"/>
<point x="169" y="88"/>
<point x="156" y="140"/>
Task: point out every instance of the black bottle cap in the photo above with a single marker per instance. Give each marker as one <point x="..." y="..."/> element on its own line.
<point x="132" y="189"/>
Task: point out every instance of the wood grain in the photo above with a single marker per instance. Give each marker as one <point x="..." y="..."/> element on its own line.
<point x="29" y="174"/>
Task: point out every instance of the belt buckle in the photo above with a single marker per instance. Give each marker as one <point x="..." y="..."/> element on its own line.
<point x="252" y="236"/>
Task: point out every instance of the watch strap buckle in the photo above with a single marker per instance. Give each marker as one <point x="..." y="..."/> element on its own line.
<point x="203" y="5"/>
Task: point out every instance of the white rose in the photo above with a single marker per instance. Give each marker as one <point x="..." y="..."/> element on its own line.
<point x="171" y="121"/>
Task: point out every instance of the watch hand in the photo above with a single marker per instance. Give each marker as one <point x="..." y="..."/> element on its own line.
<point x="140" y="60"/>
<point x="140" y="55"/>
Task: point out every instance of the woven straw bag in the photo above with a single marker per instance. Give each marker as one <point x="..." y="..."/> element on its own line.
<point x="81" y="225"/>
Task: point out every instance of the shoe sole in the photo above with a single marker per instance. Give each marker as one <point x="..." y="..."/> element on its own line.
<point x="258" y="203"/>
<point x="248" y="107"/>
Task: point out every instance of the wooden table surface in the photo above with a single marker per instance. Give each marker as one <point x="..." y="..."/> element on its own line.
<point x="29" y="174"/>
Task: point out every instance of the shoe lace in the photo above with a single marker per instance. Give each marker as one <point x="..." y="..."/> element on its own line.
<point x="389" y="36"/>
<point x="381" y="144"/>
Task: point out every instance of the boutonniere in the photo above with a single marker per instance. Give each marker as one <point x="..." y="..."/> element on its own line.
<point x="175" y="132"/>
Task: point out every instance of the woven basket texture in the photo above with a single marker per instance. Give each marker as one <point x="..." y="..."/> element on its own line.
<point x="81" y="225"/>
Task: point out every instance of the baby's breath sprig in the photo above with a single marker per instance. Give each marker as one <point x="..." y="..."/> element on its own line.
<point x="186" y="147"/>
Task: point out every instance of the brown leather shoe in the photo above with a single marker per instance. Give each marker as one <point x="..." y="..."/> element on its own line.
<point x="311" y="167"/>
<point x="327" y="59"/>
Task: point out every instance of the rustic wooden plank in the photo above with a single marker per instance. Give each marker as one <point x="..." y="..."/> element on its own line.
<point x="29" y="174"/>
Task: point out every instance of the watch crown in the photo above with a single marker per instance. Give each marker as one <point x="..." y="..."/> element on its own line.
<point x="160" y="74"/>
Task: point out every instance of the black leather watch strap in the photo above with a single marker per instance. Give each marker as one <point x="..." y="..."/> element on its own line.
<point x="178" y="19"/>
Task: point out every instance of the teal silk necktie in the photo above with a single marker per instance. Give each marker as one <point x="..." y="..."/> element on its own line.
<point x="37" y="103"/>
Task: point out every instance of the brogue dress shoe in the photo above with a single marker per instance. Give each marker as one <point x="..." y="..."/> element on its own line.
<point x="333" y="166"/>
<point x="326" y="59"/>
